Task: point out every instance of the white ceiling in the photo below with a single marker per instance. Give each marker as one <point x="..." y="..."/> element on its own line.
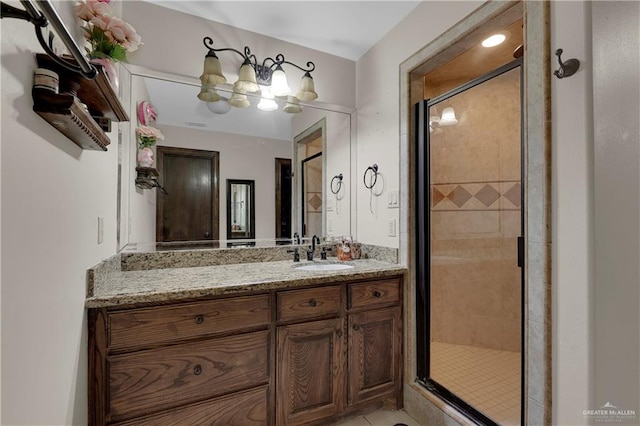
<point x="342" y="28"/>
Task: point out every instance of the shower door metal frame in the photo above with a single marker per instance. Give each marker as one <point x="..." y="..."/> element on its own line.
<point x="423" y="247"/>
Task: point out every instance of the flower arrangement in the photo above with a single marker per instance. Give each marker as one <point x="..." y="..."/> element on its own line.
<point x="109" y="37"/>
<point x="148" y="136"/>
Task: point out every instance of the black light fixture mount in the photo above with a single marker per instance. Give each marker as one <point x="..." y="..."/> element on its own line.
<point x="40" y="20"/>
<point x="267" y="76"/>
<point x="264" y="71"/>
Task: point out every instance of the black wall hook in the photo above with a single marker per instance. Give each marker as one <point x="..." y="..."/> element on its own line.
<point x="567" y="68"/>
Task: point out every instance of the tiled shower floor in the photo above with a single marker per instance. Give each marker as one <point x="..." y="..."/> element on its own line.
<point x="487" y="379"/>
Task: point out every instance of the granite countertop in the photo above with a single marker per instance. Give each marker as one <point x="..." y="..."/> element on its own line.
<point x="160" y="285"/>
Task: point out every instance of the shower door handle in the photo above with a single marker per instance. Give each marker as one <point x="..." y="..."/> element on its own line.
<point x="521" y="252"/>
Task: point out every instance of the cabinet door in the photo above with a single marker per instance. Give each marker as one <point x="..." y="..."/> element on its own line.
<point x="375" y="354"/>
<point x="310" y="380"/>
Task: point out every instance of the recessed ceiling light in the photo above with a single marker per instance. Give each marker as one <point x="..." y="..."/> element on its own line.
<point x="494" y="40"/>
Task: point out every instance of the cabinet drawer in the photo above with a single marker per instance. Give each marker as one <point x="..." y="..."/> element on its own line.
<point x="372" y="293"/>
<point x="307" y="303"/>
<point x="243" y="408"/>
<point x="139" y="327"/>
<point x="159" y="379"/>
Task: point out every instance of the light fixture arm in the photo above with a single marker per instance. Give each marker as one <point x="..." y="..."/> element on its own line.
<point x="40" y="20"/>
<point x="263" y="71"/>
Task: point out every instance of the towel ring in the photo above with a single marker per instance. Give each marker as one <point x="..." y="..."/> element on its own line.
<point x="374" y="176"/>
<point x="339" y="179"/>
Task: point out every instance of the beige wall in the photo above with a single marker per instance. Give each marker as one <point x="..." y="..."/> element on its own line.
<point x="616" y="30"/>
<point x="52" y="195"/>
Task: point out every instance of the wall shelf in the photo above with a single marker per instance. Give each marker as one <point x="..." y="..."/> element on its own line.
<point x="68" y="116"/>
<point x="66" y="111"/>
<point x="147" y="177"/>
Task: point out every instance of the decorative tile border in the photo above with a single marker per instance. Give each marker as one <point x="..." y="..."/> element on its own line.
<point x="476" y="196"/>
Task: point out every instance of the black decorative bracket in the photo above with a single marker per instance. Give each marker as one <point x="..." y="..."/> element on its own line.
<point x="567" y="68"/>
<point x="264" y="70"/>
<point x="41" y="19"/>
<point x="147" y="178"/>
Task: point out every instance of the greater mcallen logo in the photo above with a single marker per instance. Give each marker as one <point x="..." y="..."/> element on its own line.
<point x="609" y="413"/>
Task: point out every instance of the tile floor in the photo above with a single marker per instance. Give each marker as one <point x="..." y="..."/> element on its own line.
<point x="380" y="418"/>
<point x="487" y="379"/>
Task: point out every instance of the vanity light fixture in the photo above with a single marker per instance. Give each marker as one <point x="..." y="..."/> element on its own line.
<point x="268" y="77"/>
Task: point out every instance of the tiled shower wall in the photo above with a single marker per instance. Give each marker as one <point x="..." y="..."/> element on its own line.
<point x="476" y="218"/>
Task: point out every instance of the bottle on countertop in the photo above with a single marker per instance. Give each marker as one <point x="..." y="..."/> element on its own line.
<point x="344" y="252"/>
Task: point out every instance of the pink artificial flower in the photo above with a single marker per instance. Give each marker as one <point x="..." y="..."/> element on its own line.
<point x="133" y="39"/>
<point x="117" y="29"/>
<point x="149" y="132"/>
<point x="101" y="22"/>
<point x="90" y="9"/>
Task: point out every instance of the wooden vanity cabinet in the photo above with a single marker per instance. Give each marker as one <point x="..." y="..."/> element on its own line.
<point x="375" y="340"/>
<point x="205" y="362"/>
<point x="289" y="357"/>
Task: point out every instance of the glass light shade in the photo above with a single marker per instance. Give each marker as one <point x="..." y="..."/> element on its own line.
<point x="239" y="100"/>
<point x="292" y="106"/>
<point x="279" y="84"/>
<point x="267" y="102"/>
<point x="448" y="117"/>
<point x="307" y="90"/>
<point x="247" y="79"/>
<point x="220" y="107"/>
<point x="208" y="93"/>
<point x="212" y="73"/>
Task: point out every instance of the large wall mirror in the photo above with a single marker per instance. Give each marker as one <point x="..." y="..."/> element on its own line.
<point x="270" y="148"/>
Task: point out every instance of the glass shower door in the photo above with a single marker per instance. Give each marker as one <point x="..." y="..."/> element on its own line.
<point x="473" y="281"/>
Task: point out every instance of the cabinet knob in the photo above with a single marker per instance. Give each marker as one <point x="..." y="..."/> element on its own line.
<point x="199" y="319"/>
<point x="339" y="333"/>
<point x="197" y="370"/>
<point x="206" y="235"/>
<point x="376" y="293"/>
<point x="313" y="303"/>
<point x="356" y="327"/>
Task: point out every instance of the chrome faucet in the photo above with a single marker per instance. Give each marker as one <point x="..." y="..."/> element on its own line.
<point x="312" y="248"/>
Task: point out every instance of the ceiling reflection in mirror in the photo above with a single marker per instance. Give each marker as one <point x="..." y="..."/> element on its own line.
<point x="270" y="148"/>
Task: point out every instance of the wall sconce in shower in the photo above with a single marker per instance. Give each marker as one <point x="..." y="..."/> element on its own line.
<point x="448" y="118"/>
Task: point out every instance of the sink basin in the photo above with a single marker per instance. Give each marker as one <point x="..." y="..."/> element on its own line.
<point x="324" y="267"/>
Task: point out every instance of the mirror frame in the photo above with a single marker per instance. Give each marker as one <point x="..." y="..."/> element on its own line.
<point x="252" y="208"/>
<point x="126" y="140"/>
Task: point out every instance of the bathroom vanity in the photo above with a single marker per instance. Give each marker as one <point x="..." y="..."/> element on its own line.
<point x="244" y="344"/>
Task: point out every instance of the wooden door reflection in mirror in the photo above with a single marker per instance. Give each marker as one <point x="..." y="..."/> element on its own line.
<point x="189" y="210"/>
<point x="240" y="209"/>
